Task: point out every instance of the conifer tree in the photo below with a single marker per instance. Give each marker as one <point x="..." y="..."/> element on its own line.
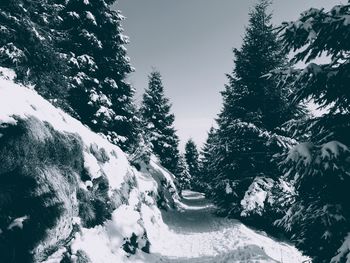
<point x="258" y="99"/>
<point x="206" y="162"/>
<point x="319" y="219"/>
<point x="183" y="174"/>
<point x="192" y="158"/>
<point x="158" y="123"/>
<point x="27" y="45"/>
<point x="94" y="45"/>
<point x="254" y="107"/>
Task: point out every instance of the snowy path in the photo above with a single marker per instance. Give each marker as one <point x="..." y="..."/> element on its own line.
<point x="196" y="235"/>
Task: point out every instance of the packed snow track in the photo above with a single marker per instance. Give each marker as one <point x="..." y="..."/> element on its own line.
<point x="195" y="234"/>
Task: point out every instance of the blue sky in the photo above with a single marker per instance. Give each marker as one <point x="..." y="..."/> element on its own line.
<point x="190" y="42"/>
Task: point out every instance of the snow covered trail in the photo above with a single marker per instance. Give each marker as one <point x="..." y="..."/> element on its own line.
<point x="195" y="234"/>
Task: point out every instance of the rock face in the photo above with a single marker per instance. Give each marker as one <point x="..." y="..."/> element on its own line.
<point x="66" y="193"/>
<point x="39" y="172"/>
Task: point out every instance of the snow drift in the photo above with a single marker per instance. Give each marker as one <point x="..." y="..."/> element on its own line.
<point x="67" y="194"/>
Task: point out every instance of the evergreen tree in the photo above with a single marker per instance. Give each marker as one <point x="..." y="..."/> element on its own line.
<point x="258" y="99"/>
<point x="192" y="158"/>
<point x="319" y="219"/>
<point x="206" y="162"/>
<point x="94" y="45"/>
<point x="254" y="107"/>
<point x="158" y="123"/>
<point x="27" y="45"/>
<point x="184" y="176"/>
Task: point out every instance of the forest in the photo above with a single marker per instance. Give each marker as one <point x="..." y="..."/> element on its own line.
<point x="268" y="161"/>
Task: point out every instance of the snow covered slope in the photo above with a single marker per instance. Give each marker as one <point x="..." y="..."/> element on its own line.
<point x="67" y="193"/>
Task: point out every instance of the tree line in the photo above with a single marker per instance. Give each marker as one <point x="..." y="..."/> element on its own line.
<point x="268" y="160"/>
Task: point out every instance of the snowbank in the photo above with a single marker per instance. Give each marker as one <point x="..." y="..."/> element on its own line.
<point x="98" y="200"/>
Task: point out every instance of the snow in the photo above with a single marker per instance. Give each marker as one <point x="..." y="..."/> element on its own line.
<point x="7" y="74"/>
<point x="18" y="222"/>
<point x="87" y="60"/>
<point x="195" y="235"/>
<point x="17" y="101"/>
<point x="189" y="234"/>
<point x="343" y="252"/>
<point x="91" y="17"/>
<point x="99" y="245"/>
<point x="120" y="118"/>
<point x="111" y="82"/>
<point x="126" y="221"/>
<point x="303" y="151"/>
<point x="37" y="34"/>
<point x="256" y="195"/>
<point x="3" y="29"/>
<point x="228" y="188"/>
<point x="190" y="195"/>
<point x="106" y="112"/>
<point x="115" y="169"/>
<point x="80" y="77"/>
<point x="332" y="149"/>
<point x="92" y="166"/>
<point x="167" y="175"/>
<point x="93" y="96"/>
<point x="74" y="14"/>
<point x="92" y="37"/>
<point x="12" y="52"/>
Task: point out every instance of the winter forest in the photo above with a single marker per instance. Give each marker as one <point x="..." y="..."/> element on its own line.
<point x="90" y="174"/>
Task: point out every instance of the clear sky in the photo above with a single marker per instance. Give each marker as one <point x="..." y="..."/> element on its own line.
<point x="190" y="42"/>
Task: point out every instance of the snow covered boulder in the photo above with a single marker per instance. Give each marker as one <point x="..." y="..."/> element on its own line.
<point x="256" y="196"/>
<point x="66" y="193"/>
<point x="266" y="195"/>
<point x="265" y="202"/>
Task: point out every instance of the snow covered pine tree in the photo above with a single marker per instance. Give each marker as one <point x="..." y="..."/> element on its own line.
<point x="27" y="45"/>
<point x="158" y="123"/>
<point x="319" y="220"/>
<point x="184" y="177"/>
<point x="254" y="107"/>
<point x="94" y="44"/>
<point x="206" y="161"/>
<point x="192" y="161"/>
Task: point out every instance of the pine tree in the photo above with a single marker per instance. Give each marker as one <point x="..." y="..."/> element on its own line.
<point x="184" y="176"/>
<point x="158" y="123"/>
<point x="254" y="107"/>
<point x="192" y="158"/>
<point x="27" y="45"/>
<point x="258" y="99"/>
<point x="206" y="162"/>
<point x="319" y="219"/>
<point x="94" y="45"/>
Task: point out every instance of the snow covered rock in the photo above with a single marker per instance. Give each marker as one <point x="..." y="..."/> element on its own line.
<point x="267" y="200"/>
<point x="256" y="196"/>
<point x="66" y="193"/>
